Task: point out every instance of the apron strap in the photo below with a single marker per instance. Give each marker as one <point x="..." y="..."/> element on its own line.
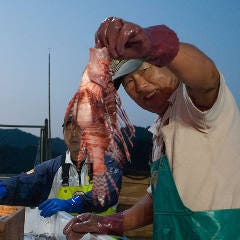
<point x="163" y="151"/>
<point x="65" y="171"/>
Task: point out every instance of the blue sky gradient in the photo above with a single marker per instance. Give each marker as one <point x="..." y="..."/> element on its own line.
<point x="30" y="28"/>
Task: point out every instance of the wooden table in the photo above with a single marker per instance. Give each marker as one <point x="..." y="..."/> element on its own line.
<point x="12" y="222"/>
<point x="132" y="190"/>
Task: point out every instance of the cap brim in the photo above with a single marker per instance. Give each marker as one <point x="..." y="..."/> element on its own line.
<point x="69" y="120"/>
<point x="66" y="123"/>
<point x="128" y="67"/>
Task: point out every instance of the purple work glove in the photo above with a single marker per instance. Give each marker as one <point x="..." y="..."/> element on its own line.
<point x="3" y="190"/>
<point x="53" y="205"/>
<point x="157" y="45"/>
<point x="91" y="223"/>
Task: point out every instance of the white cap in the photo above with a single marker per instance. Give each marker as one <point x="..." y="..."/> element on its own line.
<point x="122" y="68"/>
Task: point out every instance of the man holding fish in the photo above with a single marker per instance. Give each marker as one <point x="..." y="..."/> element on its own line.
<point x="195" y="191"/>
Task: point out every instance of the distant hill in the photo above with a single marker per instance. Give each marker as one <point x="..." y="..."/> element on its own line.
<point x="17" y="138"/>
<point x="18" y="151"/>
<point x="140" y="153"/>
<point x="20" y="139"/>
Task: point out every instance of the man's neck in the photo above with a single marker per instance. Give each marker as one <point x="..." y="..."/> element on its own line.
<point x="74" y="156"/>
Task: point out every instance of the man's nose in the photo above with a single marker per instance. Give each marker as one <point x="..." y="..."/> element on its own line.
<point x="140" y="83"/>
<point x="75" y="131"/>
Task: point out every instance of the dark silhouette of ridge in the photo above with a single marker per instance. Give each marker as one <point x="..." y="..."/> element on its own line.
<point x="18" y="150"/>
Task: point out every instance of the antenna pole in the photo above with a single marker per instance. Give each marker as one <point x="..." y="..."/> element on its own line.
<point x="49" y="105"/>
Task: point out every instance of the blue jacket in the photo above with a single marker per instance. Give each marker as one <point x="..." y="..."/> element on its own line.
<point x="30" y="189"/>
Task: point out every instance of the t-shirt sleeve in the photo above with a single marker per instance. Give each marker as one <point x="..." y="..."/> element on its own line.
<point x="205" y="119"/>
<point x="149" y="190"/>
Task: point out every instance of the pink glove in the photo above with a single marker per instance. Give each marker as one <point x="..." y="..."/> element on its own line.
<point x="125" y="40"/>
<point x="88" y="222"/>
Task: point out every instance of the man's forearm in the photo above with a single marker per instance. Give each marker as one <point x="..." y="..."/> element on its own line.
<point x="199" y="74"/>
<point x="139" y="215"/>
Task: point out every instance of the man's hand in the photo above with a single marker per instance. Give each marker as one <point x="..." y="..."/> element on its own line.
<point x="123" y="39"/>
<point x="52" y="206"/>
<point x="157" y="45"/>
<point x="88" y="222"/>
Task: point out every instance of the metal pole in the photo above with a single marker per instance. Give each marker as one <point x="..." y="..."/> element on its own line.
<point x="21" y="126"/>
<point x="46" y="142"/>
<point x="42" y="148"/>
<point x="49" y="107"/>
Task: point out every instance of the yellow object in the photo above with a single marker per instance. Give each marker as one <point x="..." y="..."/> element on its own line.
<point x="67" y="192"/>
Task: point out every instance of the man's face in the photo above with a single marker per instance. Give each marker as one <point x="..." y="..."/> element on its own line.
<point x="150" y="87"/>
<point x="72" y="137"/>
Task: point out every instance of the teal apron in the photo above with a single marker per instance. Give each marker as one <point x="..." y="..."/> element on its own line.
<point x="172" y="220"/>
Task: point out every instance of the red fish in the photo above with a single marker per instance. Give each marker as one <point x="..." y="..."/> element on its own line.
<point x="96" y="105"/>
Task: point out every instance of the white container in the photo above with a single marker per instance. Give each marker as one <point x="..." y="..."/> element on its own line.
<point x="52" y="226"/>
<point x="36" y="224"/>
<point x="62" y="218"/>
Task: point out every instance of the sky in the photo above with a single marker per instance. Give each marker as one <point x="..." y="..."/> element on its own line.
<point x="31" y="28"/>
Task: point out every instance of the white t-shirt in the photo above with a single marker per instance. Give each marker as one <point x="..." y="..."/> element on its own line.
<point x="203" y="149"/>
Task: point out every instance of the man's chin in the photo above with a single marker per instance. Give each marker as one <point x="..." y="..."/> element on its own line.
<point x="74" y="150"/>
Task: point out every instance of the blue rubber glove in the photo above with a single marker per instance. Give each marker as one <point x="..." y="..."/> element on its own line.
<point x="3" y="190"/>
<point x="53" y="205"/>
